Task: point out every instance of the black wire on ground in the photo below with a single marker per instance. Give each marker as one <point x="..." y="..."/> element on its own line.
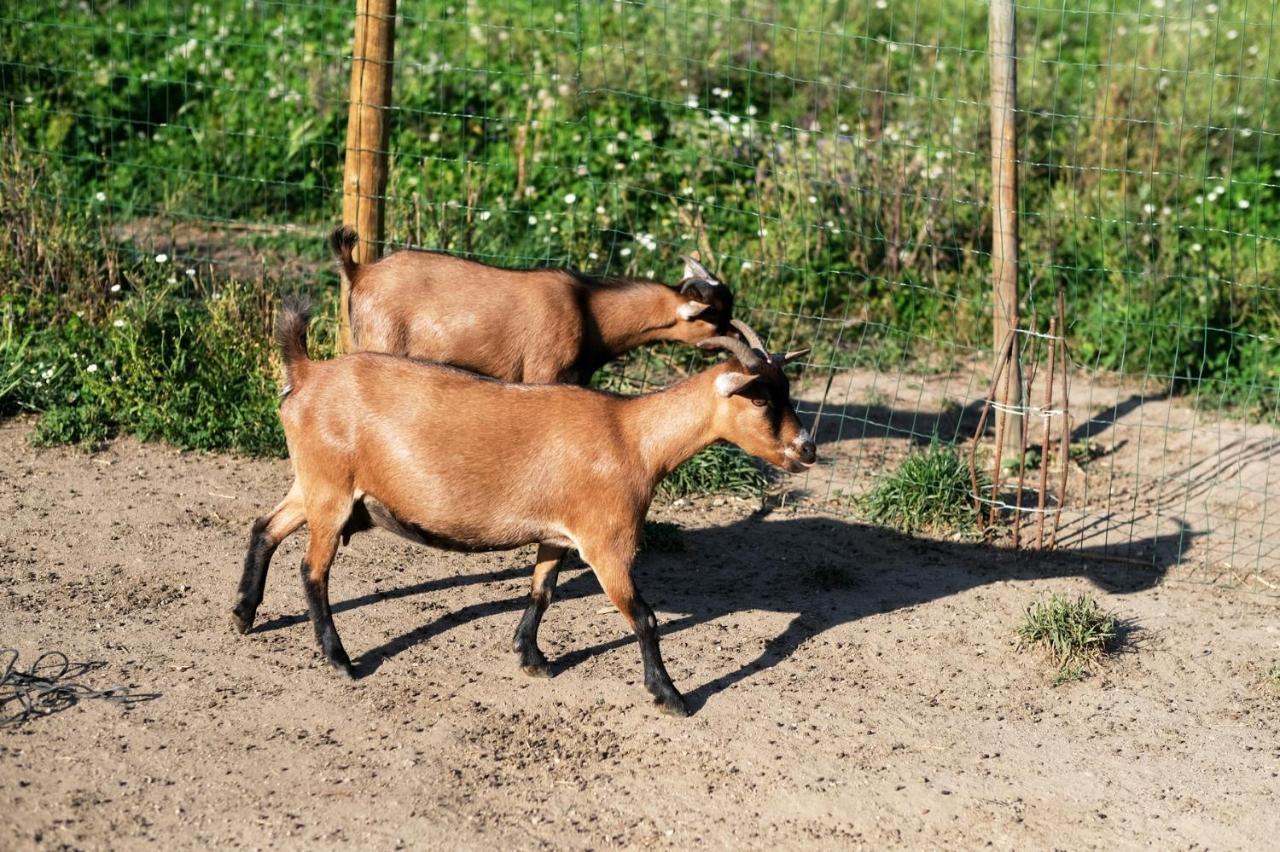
<point x="49" y="686"/>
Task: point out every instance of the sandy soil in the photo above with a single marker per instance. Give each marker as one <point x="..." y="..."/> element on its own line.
<point x="852" y="688"/>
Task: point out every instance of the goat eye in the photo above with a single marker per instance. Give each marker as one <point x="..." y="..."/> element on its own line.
<point x="759" y="403"/>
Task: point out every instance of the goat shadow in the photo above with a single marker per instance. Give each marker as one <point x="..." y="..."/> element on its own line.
<point x="824" y="572"/>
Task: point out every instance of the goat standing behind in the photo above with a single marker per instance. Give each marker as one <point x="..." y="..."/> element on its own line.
<point x="519" y="325"/>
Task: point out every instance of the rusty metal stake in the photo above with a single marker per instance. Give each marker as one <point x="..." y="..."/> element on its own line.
<point x="1048" y="434"/>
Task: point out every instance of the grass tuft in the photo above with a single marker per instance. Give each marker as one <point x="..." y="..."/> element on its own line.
<point x="929" y="492"/>
<point x="662" y="537"/>
<point x="1075" y="633"/>
<point x="1272" y="677"/>
<point x="718" y="468"/>
<point x="826" y="577"/>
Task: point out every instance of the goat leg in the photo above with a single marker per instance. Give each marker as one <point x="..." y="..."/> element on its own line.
<point x="525" y="643"/>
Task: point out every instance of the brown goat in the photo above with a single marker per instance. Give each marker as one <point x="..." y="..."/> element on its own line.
<point x="519" y="325"/>
<point x="462" y="462"/>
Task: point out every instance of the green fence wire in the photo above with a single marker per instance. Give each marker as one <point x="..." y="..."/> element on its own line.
<point x="831" y="157"/>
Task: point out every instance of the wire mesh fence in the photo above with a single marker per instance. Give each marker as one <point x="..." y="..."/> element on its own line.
<point x="830" y="159"/>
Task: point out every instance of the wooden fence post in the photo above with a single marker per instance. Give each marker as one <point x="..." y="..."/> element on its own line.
<point x="364" y="179"/>
<point x="1002" y="55"/>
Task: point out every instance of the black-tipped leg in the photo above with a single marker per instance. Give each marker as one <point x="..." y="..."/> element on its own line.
<point x="525" y="643"/>
<point x="254" y="579"/>
<point x="316" y="585"/>
<point x="665" y="695"/>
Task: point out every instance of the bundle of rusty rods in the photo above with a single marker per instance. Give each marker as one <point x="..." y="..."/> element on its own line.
<point x="1057" y="356"/>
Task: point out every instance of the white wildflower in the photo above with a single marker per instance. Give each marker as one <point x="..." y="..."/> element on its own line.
<point x="569" y="198"/>
<point x="162" y="258"/>
<point x="92" y="368"/>
<point x="118" y="323"/>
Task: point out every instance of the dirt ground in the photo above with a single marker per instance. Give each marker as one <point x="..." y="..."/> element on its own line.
<point x="852" y="688"/>
<point x="1164" y="481"/>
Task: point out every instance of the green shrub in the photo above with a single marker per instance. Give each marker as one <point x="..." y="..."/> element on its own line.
<point x="930" y="491"/>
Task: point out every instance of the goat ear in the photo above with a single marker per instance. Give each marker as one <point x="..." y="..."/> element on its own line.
<point x="693" y="268"/>
<point x="795" y="356"/>
<point x="727" y="384"/>
<point x="689" y="310"/>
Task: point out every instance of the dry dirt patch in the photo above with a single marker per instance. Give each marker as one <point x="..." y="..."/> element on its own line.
<point x="888" y="709"/>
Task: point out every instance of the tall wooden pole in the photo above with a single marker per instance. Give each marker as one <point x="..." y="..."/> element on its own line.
<point x="1002" y="53"/>
<point x="364" y="179"/>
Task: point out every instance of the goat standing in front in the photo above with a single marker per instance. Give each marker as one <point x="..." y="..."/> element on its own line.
<point x="462" y="462"/>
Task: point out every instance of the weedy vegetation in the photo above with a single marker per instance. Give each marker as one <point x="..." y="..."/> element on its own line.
<point x="720" y="467"/>
<point x="929" y="492"/>
<point x="523" y="135"/>
<point x="662" y="537"/>
<point x="1075" y="634"/>
<point x="827" y="577"/>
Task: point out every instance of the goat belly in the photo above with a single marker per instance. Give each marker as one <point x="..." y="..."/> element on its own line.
<point x="368" y="513"/>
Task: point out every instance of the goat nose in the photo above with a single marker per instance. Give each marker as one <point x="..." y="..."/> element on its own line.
<point x="808" y="452"/>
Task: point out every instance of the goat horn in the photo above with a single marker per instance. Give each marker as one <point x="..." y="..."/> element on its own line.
<point x="697" y="266"/>
<point x="753" y="339"/>
<point x="750" y="360"/>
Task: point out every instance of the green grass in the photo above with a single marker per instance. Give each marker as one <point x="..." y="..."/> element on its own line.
<point x="1272" y="677"/>
<point x="662" y="537"/>
<point x="846" y="162"/>
<point x="826" y="577"/>
<point x="930" y="492"/>
<point x="833" y="156"/>
<point x="102" y="342"/>
<point x="1074" y="633"/>
<point x="720" y="467"/>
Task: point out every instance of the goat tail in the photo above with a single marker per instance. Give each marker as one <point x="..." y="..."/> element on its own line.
<point x="342" y="242"/>
<point x="291" y="335"/>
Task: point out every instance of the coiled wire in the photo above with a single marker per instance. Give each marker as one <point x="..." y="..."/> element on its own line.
<point x="49" y="685"/>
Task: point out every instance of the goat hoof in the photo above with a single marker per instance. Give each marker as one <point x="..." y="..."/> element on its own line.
<point x="534" y="664"/>
<point x="542" y="669"/>
<point x="241" y="621"/>
<point x="345" y="669"/>
<point x="672" y="705"/>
